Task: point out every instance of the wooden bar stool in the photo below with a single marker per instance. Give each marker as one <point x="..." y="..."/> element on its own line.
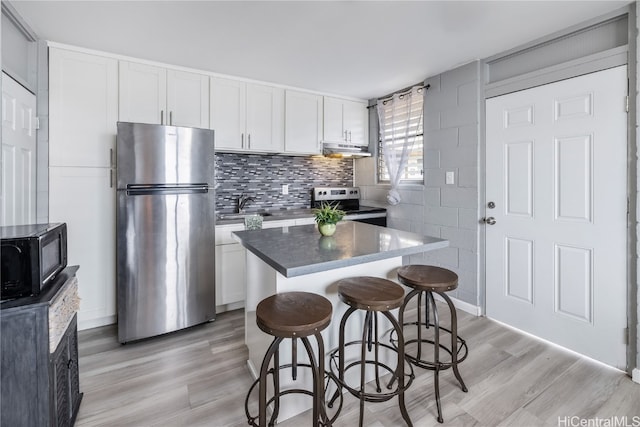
<point x="373" y="295"/>
<point x="427" y="280"/>
<point x="293" y="315"/>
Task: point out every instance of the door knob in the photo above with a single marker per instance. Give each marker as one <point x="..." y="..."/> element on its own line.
<point x="489" y="220"/>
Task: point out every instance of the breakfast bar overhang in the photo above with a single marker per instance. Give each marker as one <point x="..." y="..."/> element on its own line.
<point x="298" y="258"/>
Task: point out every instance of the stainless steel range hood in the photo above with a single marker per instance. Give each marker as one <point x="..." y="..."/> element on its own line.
<point x="334" y="149"/>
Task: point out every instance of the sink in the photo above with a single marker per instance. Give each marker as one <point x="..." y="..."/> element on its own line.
<point x="241" y="215"/>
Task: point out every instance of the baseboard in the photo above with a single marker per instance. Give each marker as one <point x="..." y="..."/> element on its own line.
<point x="252" y="370"/>
<point x="461" y="305"/>
<point x="97" y="322"/>
<point x="635" y="375"/>
<point x="229" y="307"/>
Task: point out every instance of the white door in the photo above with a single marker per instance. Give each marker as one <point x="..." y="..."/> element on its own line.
<point x="557" y="174"/>
<point x="18" y="193"/>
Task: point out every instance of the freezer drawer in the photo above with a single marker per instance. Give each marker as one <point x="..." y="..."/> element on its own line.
<point x="166" y="270"/>
<point x="154" y="154"/>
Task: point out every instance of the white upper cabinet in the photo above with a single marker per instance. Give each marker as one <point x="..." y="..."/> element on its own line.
<point x="265" y="118"/>
<point x="303" y="123"/>
<point x="188" y="99"/>
<point x="356" y="122"/>
<point x="247" y="117"/>
<point x="345" y="121"/>
<point x="228" y="112"/>
<point x="143" y="93"/>
<point x="83" y="108"/>
<point x="150" y="94"/>
<point x="333" y="129"/>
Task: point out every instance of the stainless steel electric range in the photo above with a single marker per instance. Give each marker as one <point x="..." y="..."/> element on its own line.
<point x="348" y="199"/>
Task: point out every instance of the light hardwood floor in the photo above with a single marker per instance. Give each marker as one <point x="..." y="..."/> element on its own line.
<point x="199" y="377"/>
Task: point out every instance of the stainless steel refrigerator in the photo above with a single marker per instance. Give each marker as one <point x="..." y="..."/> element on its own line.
<point x="165" y="225"/>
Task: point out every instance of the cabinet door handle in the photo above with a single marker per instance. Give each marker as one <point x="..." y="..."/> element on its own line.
<point x="345" y="135"/>
<point x="110" y="178"/>
<point x="249" y="141"/>
<point x="170" y="118"/>
<point x="349" y="136"/>
<point x="242" y="140"/>
<point x="110" y="157"/>
<point x="161" y="117"/>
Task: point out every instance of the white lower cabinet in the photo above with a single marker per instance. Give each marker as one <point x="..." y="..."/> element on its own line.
<point x="231" y="263"/>
<point x="230" y="268"/>
<point x="230" y="274"/>
<point x="84" y="199"/>
<point x="305" y="221"/>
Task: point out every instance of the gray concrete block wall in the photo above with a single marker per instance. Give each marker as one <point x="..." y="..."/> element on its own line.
<point x="452" y="132"/>
<point x="451" y="211"/>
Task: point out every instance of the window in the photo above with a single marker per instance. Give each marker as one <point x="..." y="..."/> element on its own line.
<point x="402" y="123"/>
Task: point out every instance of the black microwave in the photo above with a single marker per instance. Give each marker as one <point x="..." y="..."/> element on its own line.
<point x="32" y="255"/>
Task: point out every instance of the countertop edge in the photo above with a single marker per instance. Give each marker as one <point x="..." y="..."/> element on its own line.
<point x="331" y="265"/>
<point x="362" y="259"/>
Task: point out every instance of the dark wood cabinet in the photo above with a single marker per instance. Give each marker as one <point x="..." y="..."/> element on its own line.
<point x="39" y="357"/>
<point x="66" y="387"/>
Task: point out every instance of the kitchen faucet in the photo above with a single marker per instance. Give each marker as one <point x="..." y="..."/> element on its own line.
<point x="242" y="201"/>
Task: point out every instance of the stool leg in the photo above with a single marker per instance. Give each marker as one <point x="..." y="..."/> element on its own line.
<point x="262" y="389"/>
<point x="436" y="354"/>
<point x="343" y="322"/>
<point x="294" y="358"/>
<point x="400" y="367"/>
<point x="408" y="298"/>
<point x="454" y="340"/>
<point x="276" y="385"/>
<point x="363" y="365"/>
<point x="377" y="352"/>
<point x="419" y="325"/>
<point x="314" y="374"/>
<point x="320" y="387"/>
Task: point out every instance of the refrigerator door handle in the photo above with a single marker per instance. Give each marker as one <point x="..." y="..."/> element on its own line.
<point x="142" y="189"/>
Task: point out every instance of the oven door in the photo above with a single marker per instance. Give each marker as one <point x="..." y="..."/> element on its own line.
<point x="378" y="218"/>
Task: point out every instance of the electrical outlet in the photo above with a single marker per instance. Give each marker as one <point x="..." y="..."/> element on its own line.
<point x="285" y="189"/>
<point x="450" y="177"/>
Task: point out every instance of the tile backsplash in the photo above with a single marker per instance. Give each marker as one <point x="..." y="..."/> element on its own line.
<point x="262" y="176"/>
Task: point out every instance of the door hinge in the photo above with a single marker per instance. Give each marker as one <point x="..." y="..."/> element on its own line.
<point x="626" y="103"/>
<point x="37" y="123"/>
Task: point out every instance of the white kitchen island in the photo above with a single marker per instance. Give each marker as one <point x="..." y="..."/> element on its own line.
<point x="300" y="259"/>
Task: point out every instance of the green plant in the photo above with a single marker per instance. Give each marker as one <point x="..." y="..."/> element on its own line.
<point x="328" y="213"/>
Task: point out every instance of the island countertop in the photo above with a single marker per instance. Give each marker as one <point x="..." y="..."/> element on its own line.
<point x="300" y="250"/>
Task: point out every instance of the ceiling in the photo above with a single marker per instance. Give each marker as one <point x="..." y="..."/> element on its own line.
<point x="362" y="49"/>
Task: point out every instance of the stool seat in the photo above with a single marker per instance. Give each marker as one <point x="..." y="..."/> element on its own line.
<point x="370" y="293"/>
<point x="428" y="278"/>
<point x="293" y="314"/>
